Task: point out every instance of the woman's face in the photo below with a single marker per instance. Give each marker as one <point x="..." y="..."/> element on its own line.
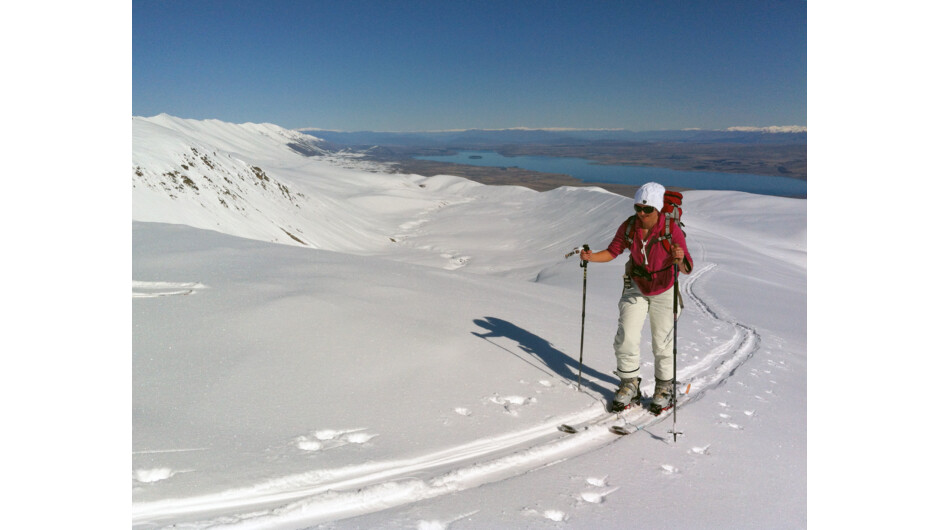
<point x="646" y="214"/>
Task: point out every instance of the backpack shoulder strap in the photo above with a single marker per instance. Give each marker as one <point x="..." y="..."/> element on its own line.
<point x="630" y="232"/>
<point x="666" y="238"/>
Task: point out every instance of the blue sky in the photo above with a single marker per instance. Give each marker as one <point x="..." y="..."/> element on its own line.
<point x="431" y="65"/>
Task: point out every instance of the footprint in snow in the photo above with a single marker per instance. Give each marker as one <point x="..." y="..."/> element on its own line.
<point x="153" y="475"/>
<point x="359" y="437"/>
<point x="597" y="497"/>
<point x="455" y="262"/>
<point x="669" y="470"/>
<point x="306" y="444"/>
<point x="462" y="411"/>
<point x="329" y="438"/>
<point x="511" y="404"/>
<point x="700" y="450"/>
<point x="554" y="515"/>
<point x="599" y="482"/>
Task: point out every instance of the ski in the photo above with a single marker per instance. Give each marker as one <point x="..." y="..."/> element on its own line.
<point x="611" y="415"/>
<point x="616" y="429"/>
<point x="615" y="410"/>
<point x="619" y="429"/>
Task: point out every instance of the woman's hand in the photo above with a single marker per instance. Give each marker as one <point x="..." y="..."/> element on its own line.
<point x="679" y="256"/>
<point x="677" y="253"/>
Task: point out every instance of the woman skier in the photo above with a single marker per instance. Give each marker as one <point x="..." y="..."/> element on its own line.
<point x="648" y="283"/>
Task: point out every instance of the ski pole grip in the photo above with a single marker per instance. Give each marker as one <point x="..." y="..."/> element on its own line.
<point x="585" y="247"/>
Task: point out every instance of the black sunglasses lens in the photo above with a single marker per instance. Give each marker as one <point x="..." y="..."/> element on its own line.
<point x="644" y="209"/>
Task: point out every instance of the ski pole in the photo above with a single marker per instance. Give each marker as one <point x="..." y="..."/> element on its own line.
<point x="583" y="305"/>
<point x="675" y="323"/>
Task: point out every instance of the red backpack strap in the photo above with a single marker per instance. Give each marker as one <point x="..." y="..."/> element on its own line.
<point x="667" y="236"/>
<point x="672" y="209"/>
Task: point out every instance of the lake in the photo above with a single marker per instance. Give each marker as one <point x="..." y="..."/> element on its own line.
<point x="587" y="171"/>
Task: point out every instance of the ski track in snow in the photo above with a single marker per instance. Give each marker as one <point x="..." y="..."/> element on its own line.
<point x="141" y="289"/>
<point x="412" y="228"/>
<point x="331" y="494"/>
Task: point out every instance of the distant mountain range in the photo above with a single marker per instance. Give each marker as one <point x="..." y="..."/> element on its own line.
<point x="489" y="137"/>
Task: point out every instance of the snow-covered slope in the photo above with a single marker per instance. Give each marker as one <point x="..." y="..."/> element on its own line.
<point x="251" y="181"/>
<point x="255" y="181"/>
<point x="353" y="373"/>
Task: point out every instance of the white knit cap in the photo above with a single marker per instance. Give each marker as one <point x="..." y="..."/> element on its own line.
<point x="650" y="194"/>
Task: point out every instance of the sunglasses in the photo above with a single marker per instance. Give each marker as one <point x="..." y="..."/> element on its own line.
<point x="644" y="209"/>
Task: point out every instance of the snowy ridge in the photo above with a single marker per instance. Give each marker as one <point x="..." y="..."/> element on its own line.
<point x="237" y="179"/>
<point x="773" y="129"/>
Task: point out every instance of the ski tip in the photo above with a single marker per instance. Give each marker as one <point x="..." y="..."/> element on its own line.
<point x="619" y="429"/>
<point x="567" y="428"/>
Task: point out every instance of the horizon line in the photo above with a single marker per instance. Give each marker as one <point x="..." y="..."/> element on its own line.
<point x="738" y="128"/>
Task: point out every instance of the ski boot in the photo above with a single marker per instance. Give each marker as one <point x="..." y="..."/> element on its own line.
<point x="627" y="395"/>
<point x="662" y="397"/>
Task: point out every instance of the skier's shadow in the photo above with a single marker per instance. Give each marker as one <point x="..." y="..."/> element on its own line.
<point x="553" y="359"/>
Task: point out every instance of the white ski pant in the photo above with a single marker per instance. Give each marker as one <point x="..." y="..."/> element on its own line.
<point x="634" y="308"/>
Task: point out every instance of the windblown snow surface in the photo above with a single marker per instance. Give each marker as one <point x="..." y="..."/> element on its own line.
<point x="321" y="343"/>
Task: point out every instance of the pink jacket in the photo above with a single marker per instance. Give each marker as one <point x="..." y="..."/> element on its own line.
<point x="654" y="259"/>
